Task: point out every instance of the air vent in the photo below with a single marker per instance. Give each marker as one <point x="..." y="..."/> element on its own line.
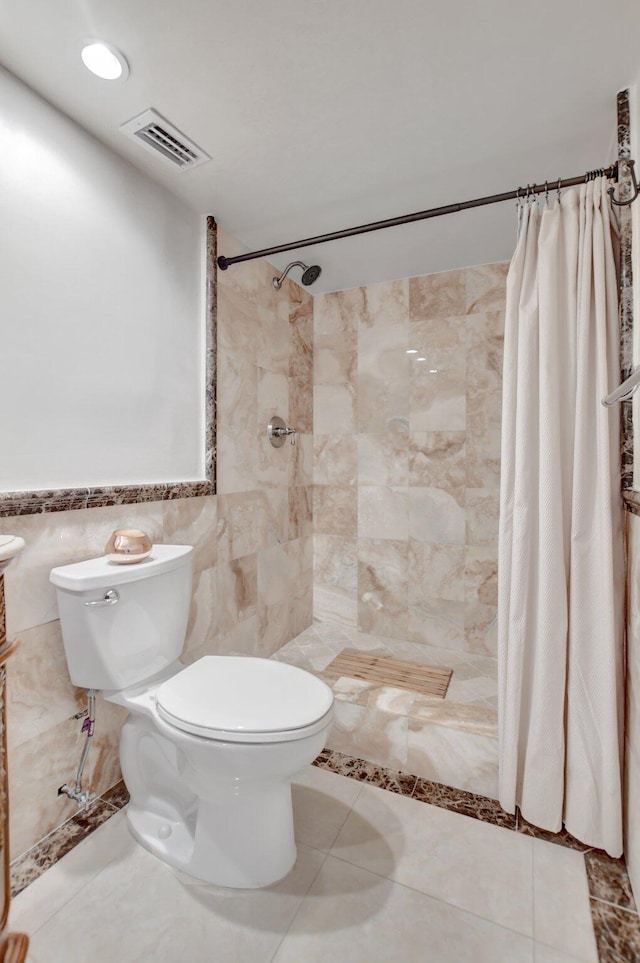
<point x="157" y="134"/>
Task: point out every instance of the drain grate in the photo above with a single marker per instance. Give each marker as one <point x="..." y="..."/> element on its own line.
<point x="401" y="674"/>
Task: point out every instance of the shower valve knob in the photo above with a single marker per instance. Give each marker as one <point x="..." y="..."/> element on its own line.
<point x="277" y="432"/>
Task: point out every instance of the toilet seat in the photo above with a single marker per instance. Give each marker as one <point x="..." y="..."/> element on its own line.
<point x="237" y="699"/>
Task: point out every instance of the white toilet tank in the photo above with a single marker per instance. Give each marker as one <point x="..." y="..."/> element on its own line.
<point x="139" y="623"/>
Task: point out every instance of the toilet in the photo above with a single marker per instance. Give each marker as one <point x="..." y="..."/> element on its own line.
<point x="209" y="750"/>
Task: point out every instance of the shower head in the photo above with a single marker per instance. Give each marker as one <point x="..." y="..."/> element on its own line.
<point x="309" y="274"/>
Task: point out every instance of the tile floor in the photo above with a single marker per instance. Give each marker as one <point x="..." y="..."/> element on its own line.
<point x="453" y="741"/>
<point x="380" y="877"/>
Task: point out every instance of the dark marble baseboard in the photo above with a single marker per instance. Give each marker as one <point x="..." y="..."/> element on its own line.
<point x="613" y="910"/>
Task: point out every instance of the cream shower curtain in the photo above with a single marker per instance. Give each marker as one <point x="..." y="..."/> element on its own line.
<point x="560" y="607"/>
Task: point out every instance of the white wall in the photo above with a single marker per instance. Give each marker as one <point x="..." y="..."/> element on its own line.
<point x="101" y="293"/>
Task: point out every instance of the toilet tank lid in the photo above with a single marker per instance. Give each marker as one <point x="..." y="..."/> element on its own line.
<point x="97" y="573"/>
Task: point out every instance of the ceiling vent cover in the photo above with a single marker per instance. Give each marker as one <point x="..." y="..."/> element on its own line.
<point x="157" y="134"/>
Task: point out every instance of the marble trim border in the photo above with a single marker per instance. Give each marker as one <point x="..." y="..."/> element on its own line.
<point x="626" y="297"/>
<point x="63" y="499"/>
<point x="613" y="910"/>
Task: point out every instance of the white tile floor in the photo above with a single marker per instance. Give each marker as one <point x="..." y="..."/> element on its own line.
<point x="379" y="877"/>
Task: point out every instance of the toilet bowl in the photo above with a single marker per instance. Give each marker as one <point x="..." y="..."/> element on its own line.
<point x="209" y="750"/>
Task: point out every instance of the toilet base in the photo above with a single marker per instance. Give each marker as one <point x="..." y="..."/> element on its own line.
<point x="241" y="841"/>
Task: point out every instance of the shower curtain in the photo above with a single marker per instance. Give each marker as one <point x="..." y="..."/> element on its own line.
<point x="561" y="567"/>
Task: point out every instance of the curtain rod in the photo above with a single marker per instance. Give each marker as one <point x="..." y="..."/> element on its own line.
<point x="627" y="167"/>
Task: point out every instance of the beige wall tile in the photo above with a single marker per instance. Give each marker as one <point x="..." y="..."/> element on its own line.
<point x="335" y="459"/>
<point x="383" y="587"/>
<point x="437" y="295"/>
<point x="436" y="571"/>
<point x="335" y="510"/>
<point x="383" y="512"/>
<point x="383" y="458"/>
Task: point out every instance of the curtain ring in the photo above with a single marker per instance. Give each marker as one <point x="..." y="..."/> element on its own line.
<point x="546" y="194"/>
<point x="558" y="189"/>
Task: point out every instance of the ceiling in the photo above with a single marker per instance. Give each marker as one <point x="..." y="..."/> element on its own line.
<point x="322" y="114"/>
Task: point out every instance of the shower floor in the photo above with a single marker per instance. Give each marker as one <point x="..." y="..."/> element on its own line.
<point x="453" y="741"/>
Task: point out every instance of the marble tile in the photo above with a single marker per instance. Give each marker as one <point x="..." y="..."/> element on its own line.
<point x="382" y="586"/>
<point x="481" y="628"/>
<point x="334" y="409"/>
<point x="237" y="461"/>
<point x="481" y="574"/>
<point x="453" y="757"/>
<point x="301" y="406"/>
<point x="354" y="914"/>
<point x="273" y="573"/>
<point x="437" y="396"/>
<point x="274" y="342"/>
<point x="437" y="295"/>
<point x="483" y="869"/>
<point x="561" y="900"/>
<point x="477" y="719"/>
<point x="69" y="871"/>
<point x="383" y="331"/>
<point x="436" y="571"/>
<point x="50" y="760"/>
<point x="483" y="508"/>
<point x="301" y="464"/>
<point x="39" y="691"/>
<point x="335" y="319"/>
<point x="335" y="604"/>
<point x="436" y="516"/>
<point x="242" y="639"/>
<point x="437" y="460"/>
<point x="436" y="622"/>
<point x="436" y="337"/>
<point x="563" y="838"/>
<point x="617" y="933"/>
<point x="273" y="627"/>
<point x="243" y="522"/>
<point x="238" y="321"/>
<point x="321" y="803"/>
<point x="300" y="610"/>
<point x="103" y="921"/>
<point x="485" y="287"/>
<point x="237" y="392"/>
<point x="300" y="511"/>
<point x="54" y="847"/>
<point x="372" y="734"/>
<point x="117" y="796"/>
<point x="383" y="459"/>
<point x="335" y="365"/>
<point x="301" y="333"/>
<point x="335" y="459"/>
<point x="205" y="614"/>
<point x="336" y="561"/>
<point x="193" y="521"/>
<point x="383" y="512"/>
<point x="359" y="769"/>
<point x="482" y="453"/>
<point x="335" y="510"/>
<point x="608" y="879"/>
<point x="382" y="404"/>
<point x="466" y="803"/>
<point x="237" y="592"/>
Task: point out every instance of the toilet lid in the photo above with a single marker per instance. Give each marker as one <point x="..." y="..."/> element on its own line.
<point x="242" y="695"/>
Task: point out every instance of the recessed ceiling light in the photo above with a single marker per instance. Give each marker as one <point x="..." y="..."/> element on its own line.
<point x="412" y="351"/>
<point x="104" y="61"/>
<point x="421" y="359"/>
<point x="433" y="370"/>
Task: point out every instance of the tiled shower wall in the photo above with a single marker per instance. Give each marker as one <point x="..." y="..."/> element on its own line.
<point x="407" y="457"/>
<point x="253" y="559"/>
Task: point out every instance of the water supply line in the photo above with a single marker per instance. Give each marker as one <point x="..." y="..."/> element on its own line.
<point x="82" y="796"/>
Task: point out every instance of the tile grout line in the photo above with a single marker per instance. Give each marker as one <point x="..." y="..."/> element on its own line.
<point x="437" y="899"/>
<point x="303" y="898"/>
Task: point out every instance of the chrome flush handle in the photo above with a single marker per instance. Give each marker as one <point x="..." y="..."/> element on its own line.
<point x="110" y="598"/>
